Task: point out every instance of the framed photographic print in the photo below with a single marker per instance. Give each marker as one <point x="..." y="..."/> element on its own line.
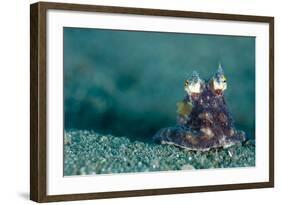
<point x="134" y="102"/>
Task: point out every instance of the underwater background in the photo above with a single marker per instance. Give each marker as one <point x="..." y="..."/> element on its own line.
<point x="121" y="87"/>
<point x="127" y="83"/>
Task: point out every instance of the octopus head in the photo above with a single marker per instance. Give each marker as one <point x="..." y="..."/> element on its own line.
<point x="218" y="82"/>
<point x="194" y="86"/>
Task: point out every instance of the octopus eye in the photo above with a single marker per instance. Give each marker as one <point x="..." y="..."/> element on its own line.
<point x="224" y="81"/>
<point x="186" y="83"/>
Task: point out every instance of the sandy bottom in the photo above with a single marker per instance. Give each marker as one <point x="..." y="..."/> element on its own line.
<point x="87" y="152"/>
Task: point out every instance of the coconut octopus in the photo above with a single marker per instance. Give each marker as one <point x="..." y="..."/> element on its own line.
<point x="203" y="118"/>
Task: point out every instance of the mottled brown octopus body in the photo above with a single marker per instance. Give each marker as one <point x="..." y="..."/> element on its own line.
<point x="209" y="125"/>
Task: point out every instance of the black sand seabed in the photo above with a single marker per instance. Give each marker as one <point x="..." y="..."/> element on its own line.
<point x="87" y="152"/>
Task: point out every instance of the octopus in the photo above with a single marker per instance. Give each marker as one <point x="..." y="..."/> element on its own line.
<point x="203" y="118"/>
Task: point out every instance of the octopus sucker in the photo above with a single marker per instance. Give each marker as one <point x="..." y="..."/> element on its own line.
<point x="204" y="121"/>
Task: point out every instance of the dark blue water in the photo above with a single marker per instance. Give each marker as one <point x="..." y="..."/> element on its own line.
<point x="128" y="83"/>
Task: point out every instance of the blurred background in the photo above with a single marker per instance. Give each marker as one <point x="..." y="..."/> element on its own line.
<point x="127" y="83"/>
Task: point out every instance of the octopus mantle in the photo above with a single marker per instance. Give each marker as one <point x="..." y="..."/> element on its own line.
<point x="209" y="125"/>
